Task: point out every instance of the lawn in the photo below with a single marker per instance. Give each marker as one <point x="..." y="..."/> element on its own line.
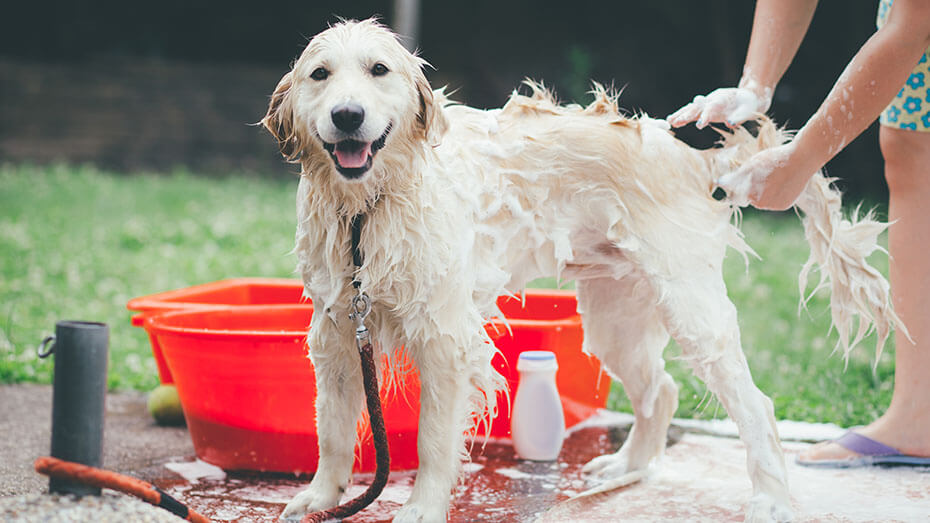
<point x="78" y="243"/>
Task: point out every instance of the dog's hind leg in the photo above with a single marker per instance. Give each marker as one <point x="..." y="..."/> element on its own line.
<point x="338" y="408"/>
<point x="623" y="329"/>
<point x="702" y="319"/>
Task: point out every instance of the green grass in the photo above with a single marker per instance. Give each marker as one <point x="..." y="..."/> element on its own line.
<point x="76" y="243"/>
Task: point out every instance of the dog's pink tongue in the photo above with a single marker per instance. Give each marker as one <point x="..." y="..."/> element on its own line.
<point x="353" y="154"/>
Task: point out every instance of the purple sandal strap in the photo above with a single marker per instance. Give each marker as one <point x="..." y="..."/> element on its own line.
<point x="866" y="446"/>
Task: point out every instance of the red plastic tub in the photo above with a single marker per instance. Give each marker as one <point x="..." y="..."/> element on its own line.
<point x="234" y="291"/>
<point x="247" y="387"/>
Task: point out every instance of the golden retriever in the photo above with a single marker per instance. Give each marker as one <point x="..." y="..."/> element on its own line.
<point x="463" y="205"/>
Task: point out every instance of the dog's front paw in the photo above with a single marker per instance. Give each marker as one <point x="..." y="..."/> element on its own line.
<point x="420" y="513"/>
<point x="608" y="466"/>
<point x="314" y="499"/>
<point x="765" y="508"/>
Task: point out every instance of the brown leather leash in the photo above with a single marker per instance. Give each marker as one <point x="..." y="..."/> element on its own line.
<point x="361" y="307"/>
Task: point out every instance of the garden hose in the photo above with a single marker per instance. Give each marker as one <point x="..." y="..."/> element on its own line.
<point x="71" y="471"/>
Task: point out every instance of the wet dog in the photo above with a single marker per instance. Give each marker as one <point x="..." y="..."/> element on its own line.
<point x="462" y="205"/>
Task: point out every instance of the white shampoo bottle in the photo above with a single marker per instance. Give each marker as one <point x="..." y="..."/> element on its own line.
<point x="537" y="423"/>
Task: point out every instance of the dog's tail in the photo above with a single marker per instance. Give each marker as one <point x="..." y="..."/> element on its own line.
<point x="839" y="246"/>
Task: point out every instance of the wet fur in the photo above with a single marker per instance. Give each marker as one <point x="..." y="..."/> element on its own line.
<point x="464" y="205"/>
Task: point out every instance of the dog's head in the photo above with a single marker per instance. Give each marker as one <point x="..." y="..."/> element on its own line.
<point x="353" y="92"/>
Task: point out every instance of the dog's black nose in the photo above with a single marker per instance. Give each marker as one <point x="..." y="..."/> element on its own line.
<point x="348" y="117"/>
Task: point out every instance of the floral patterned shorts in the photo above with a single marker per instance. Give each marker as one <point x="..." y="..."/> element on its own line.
<point x="910" y="109"/>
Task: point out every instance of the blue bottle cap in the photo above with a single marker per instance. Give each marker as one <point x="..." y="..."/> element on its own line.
<point x="537" y="360"/>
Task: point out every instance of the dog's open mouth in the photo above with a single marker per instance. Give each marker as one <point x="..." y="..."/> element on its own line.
<point x="354" y="158"/>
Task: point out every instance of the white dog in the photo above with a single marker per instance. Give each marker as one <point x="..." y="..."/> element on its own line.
<point x="463" y="205"/>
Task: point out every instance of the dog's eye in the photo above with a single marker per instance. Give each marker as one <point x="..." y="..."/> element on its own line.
<point x="319" y="74"/>
<point x="379" y="69"/>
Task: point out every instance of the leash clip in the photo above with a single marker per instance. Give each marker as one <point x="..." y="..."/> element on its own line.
<point x="361" y="307"/>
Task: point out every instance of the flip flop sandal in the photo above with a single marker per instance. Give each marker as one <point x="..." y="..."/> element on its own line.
<point x="870" y="453"/>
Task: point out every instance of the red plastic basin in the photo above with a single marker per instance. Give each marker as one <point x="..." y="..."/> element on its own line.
<point x="234" y="291"/>
<point x="248" y="389"/>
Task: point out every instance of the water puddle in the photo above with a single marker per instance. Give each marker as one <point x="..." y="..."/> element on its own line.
<point x="496" y="486"/>
<point x="701" y="478"/>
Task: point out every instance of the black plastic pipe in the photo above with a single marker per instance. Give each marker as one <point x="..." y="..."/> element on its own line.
<point x="79" y="396"/>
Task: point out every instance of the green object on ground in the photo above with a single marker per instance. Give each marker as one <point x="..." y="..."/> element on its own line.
<point x="165" y="405"/>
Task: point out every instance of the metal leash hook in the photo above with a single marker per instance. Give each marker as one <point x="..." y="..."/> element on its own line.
<point x="361" y="307"/>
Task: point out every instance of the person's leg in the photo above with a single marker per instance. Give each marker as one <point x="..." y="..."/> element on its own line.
<point x="906" y="423"/>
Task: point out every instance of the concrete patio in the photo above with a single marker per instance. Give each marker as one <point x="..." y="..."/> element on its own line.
<point x="702" y="477"/>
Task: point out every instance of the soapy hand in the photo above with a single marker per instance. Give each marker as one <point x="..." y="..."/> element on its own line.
<point x="729" y="105"/>
<point x="772" y="179"/>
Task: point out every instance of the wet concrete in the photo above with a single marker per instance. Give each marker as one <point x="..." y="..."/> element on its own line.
<point x="702" y="477"/>
<point x="496" y="485"/>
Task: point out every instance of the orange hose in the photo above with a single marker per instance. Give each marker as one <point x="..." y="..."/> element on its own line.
<point x="68" y="470"/>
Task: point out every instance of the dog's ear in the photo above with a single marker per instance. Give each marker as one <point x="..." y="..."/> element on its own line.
<point x="430" y="117"/>
<point x="279" y="119"/>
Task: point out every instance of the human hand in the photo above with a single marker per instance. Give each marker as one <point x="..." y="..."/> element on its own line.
<point x="772" y="179"/>
<point x="729" y="105"/>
